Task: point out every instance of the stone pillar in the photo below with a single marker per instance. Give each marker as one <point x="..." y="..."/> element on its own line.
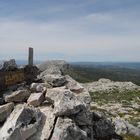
<point x="30" y="57"/>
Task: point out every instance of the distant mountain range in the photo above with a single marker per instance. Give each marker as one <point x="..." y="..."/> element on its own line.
<point x="119" y="71"/>
<point x="128" y="65"/>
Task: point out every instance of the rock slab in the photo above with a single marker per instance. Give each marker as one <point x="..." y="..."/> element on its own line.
<point x="36" y="99"/>
<point x="17" y="96"/>
<point x="22" y="123"/>
<point x="65" y="129"/>
<point x="5" y="111"/>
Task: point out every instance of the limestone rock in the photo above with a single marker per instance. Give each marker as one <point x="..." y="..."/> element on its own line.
<point x="103" y="80"/>
<point x="39" y="87"/>
<point x="120" y="126"/>
<point x="51" y="70"/>
<point x="133" y="130"/>
<point x="123" y="127"/>
<point x="85" y="97"/>
<point x="83" y="118"/>
<point x="73" y="85"/>
<point x="103" y="129"/>
<point x="10" y="64"/>
<point x="65" y="102"/>
<point x="36" y="99"/>
<point x="65" y="129"/>
<point x="46" y="126"/>
<point x="105" y="85"/>
<point x="54" y="80"/>
<point x="5" y="111"/>
<point x="17" y="96"/>
<point x="60" y="64"/>
<point x="21" y="124"/>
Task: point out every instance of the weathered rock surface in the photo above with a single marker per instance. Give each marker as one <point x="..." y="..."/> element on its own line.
<point x="108" y="85"/>
<point x="54" y="80"/>
<point x="36" y="99"/>
<point x="21" y="124"/>
<point x="5" y="111"/>
<point x="63" y="109"/>
<point x="64" y="101"/>
<point x="47" y="124"/>
<point x="84" y="96"/>
<point x="73" y="85"/>
<point x="123" y="127"/>
<point x="39" y="87"/>
<point x="51" y="70"/>
<point x="60" y="64"/>
<point x="103" y="129"/>
<point x="17" y="96"/>
<point x="9" y="65"/>
<point x="133" y="130"/>
<point x="65" y="129"/>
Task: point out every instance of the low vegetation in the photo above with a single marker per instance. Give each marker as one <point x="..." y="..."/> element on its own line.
<point x="89" y="74"/>
<point x="124" y="104"/>
<point x="113" y="103"/>
<point x="130" y="137"/>
<point x="125" y="97"/>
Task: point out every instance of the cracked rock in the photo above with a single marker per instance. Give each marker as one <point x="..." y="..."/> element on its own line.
<point x="47" y="124"/>
<point x="54" y="80"/>
<point x="65" y="129"/>
<point x="22" y="123"/>
<point x="64" y="101"/>
<point x="17" y="96"/>
<point x="5" y="111"/>
<point x="103" y="129"/>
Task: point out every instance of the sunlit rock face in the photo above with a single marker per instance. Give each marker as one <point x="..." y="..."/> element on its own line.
<point x="55" y="107"/>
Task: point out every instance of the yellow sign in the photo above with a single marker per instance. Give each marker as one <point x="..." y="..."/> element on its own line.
<point x="13" y="78"/>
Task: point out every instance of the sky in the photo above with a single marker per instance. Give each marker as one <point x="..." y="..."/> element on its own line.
<point x="72" y="30"/>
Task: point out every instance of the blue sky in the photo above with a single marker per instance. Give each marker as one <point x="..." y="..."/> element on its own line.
<point x="74" y="30"/>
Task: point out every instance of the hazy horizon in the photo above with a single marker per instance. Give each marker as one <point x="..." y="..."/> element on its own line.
<point x="24" y="60"/>
<point x="75" y="30"/>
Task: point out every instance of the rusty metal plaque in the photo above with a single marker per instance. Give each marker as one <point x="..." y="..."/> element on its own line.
<point x="8" y="78"/>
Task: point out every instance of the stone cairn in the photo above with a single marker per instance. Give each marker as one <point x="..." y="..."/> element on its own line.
<point x="56" y="107"/>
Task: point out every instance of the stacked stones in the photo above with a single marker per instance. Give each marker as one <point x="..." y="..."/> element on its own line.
<point x="56" y="108"/>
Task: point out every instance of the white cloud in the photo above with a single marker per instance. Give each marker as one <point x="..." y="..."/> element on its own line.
<point x="95" y="36"/>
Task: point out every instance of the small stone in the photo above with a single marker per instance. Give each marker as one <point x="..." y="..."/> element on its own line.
<point x="36" y="99"/>
<point x="39" y="87"/>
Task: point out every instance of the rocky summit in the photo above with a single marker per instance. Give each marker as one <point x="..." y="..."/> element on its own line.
<point x="56" y="107"/>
